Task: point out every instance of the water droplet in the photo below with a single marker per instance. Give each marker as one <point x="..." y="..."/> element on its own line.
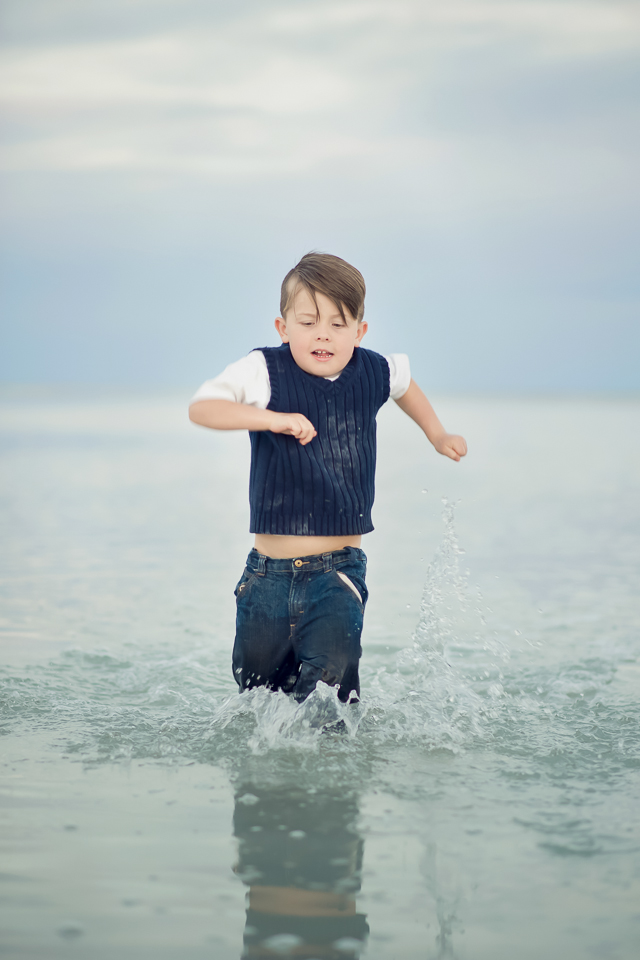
<point x="517" y="633"/>
<point x="282" y="943"/>
<point x="348" y="945"/>
<point x="248" y="799"/>
<point x="425" y="490"/>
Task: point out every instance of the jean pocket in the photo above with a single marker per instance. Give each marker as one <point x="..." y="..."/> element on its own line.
<point x="349" y="583"/>
<point x="243" y="583"/>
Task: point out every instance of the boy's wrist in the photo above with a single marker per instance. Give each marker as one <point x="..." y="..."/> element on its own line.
<point x="273" y="420"/>
<point x="436" y="437"/>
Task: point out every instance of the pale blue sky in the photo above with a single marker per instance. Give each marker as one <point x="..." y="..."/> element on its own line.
<point x="165" y="163"/>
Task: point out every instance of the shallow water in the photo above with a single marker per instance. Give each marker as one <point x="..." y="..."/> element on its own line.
<point x="481" y="801"/>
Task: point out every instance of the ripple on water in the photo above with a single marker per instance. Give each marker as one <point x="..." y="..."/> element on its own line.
<point x="457" y="687"/>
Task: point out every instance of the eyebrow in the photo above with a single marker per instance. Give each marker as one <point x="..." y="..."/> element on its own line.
<point x="305" y="313"/>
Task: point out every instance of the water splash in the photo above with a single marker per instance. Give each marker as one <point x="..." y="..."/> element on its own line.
<point x="428" y="696"/>
<point x="444" y="577"/>
<point x="424" y="697"/>
<point x="279" y="721"/>
<point x="452" y="688"/>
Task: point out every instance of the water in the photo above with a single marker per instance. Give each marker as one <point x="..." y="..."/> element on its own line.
<point x="481" y="801"/>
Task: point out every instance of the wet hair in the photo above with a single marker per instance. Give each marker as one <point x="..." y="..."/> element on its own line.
<point x="332" y="276"/>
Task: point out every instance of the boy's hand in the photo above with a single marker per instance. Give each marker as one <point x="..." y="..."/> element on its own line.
<point x="415" y="405"/>
<point x="295" y="425"/>
<point x="451" y="445"/>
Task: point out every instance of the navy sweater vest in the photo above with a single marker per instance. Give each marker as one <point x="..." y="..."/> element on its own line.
<point x="325" y="488"/>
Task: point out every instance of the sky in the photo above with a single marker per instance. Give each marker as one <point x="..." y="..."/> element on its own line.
<point x="165" y="163"/>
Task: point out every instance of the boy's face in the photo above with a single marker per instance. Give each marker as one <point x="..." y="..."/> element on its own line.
<point x="320" y="340"/>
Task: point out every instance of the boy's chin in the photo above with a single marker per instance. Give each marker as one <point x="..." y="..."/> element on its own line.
<point x="324" y="369"/>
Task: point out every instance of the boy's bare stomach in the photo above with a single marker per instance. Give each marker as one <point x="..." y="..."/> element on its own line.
<point x="284" y="548"/>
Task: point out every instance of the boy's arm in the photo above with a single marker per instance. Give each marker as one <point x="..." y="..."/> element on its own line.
<point x="415" y="405"/>
<point x="228" y="415"/>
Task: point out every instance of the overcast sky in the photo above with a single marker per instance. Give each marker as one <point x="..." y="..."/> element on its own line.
<point x="165" y="163"/>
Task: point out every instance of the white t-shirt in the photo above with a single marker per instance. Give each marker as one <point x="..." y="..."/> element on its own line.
<point x="247" y="381"/>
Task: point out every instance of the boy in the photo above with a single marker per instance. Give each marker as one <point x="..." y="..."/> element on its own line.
<point x="310" y="406"/>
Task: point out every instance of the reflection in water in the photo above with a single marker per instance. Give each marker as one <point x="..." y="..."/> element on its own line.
<point x="300" y="854"/>
<point x="446" y="897"/>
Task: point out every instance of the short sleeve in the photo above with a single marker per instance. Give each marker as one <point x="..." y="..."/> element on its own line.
<point x="399" y="374"/>
<point x="245" y="381"/>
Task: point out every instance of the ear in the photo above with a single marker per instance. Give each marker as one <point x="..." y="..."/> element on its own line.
<point x="363" y="326"/>
<point x="281" y="327"/>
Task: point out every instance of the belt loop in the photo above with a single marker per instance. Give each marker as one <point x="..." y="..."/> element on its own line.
<point x="262" y="560"/>
<point x="327" y="562"/>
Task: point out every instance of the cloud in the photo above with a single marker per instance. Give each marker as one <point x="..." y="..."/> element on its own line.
<point x="476" y="158"/>
<point x="560" y="28"/>
<point x="287" y="89"/>
<point x="197" y="69"/>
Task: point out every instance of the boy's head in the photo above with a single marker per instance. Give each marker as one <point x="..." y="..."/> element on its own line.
<point x="332" y="276"/>
<point x="322" y="305"/>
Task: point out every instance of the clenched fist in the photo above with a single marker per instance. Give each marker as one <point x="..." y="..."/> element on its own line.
<point x="295" y="425"/>
<point x="451" y="445"/>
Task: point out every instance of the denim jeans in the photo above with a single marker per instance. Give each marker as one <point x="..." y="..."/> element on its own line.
<point x="300" y="621"/>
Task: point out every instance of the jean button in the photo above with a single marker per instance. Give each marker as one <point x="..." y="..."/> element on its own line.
<point x="297" y="563"/>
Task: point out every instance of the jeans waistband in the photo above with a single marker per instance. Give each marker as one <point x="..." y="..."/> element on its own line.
<point x="258" y="563"/>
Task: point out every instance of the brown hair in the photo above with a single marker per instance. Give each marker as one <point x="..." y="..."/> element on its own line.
<point x="324" y="273"/>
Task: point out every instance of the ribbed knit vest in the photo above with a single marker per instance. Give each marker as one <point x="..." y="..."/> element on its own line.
<point x="326" y="487"/>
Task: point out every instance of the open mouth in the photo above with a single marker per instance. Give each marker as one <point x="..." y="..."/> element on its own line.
<point x="321" y="354"/>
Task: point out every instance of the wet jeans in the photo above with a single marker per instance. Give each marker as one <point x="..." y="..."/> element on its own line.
<point x="300" y="621"/>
